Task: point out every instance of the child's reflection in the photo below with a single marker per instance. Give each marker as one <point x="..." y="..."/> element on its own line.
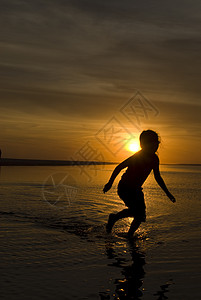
<point x="130" y="286"/>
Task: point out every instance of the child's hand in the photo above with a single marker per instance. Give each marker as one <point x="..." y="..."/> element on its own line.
<point x="107" y="187"/>
<point x="171" y="197"/>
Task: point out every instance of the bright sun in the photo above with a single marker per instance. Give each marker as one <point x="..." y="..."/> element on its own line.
<point x="133" y="146"/>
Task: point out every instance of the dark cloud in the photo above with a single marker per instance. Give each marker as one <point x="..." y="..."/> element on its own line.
<point x="107" y="43"/>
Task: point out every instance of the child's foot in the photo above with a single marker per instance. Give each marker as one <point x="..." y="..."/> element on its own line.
<point x="110" y="223"/>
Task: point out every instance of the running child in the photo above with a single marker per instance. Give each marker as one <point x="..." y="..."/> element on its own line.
<point x="129" y="190"/>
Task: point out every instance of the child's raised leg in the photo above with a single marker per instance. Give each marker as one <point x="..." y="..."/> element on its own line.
<point x="113" y="218"/>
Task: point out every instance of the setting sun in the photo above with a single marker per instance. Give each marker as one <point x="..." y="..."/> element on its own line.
<point x="133" y="146"/>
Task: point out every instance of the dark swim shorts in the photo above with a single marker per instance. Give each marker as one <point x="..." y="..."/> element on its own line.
<point x="134" y="200"/>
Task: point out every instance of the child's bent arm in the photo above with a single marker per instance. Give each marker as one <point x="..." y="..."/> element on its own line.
<point x="116" y="171"/>
<point x="161" y="183"/>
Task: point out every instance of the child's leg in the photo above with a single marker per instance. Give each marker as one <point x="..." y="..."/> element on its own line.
<point x="125" y="213"/>
<point x="113" y="218"/>
<point x="134" y="226"/>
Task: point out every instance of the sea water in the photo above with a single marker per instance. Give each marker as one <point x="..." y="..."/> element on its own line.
<point x="54" y="244"/>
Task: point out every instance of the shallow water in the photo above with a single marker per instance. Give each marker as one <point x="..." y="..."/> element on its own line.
<point x="54" y="245"/>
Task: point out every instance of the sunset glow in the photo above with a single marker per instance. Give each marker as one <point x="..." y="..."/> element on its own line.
<point x="81" y="74"/>
<point x="133" y="146"/>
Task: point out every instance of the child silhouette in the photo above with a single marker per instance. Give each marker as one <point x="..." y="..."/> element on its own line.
<point x="138" y="167"/>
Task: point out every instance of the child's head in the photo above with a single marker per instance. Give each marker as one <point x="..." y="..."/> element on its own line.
<point x="149" y="141"/>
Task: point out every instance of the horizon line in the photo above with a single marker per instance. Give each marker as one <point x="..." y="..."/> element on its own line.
<point x="30" y="161"/>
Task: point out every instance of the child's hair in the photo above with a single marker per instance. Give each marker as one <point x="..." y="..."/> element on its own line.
<point x="149" y="137"/>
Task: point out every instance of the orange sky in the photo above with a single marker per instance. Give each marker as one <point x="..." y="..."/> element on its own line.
<point x="94" y="74"/>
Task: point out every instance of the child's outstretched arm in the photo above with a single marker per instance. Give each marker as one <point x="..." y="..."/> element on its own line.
<point x="161" y="182"/>
<point x="116" y="171"/>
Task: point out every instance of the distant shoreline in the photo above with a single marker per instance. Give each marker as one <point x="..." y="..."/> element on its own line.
<point x="43" y="162"/>
<point x="49" y="162"/>
<point x="174" y="164"/>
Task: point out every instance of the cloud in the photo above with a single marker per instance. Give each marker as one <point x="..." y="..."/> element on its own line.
<point x="77" y="45"/>
<point x="81" y="60"/>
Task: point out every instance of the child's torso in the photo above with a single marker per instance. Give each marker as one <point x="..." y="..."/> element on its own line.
<point x="138" y="170"/>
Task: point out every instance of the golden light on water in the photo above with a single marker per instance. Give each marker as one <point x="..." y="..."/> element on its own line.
<point x="133" y="146"/>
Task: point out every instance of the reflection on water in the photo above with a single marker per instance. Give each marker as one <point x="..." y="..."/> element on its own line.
<point x="128" y="287"/>
<point x="69" y="239"/>
<point x="164" y="289"/>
